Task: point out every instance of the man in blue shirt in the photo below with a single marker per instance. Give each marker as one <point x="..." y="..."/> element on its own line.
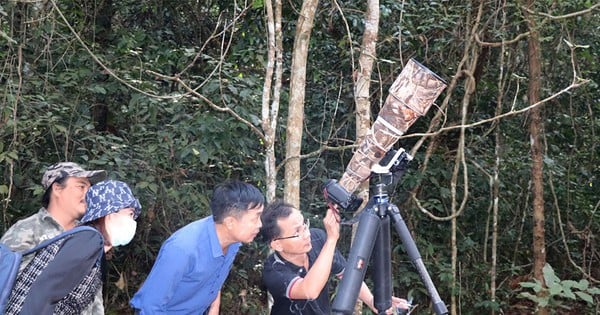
<point x="194" y="262"/>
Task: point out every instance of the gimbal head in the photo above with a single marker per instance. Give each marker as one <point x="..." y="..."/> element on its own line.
<point x="393" y="162"/>
<point x="392" y="167"/>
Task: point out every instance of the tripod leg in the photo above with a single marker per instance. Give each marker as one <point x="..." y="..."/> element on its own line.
<point x="356" y="265"/>
<point x="413" y="253"/>
<point x="382" y="268"/>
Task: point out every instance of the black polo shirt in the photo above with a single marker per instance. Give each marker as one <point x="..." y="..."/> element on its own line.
<point x="279" y="275"/>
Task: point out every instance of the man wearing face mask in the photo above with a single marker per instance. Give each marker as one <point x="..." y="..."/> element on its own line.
<point x="112" y="210"/>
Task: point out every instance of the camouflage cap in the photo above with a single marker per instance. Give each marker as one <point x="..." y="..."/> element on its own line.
<point x="64" y="169"/>
<point x="108" y="197"/>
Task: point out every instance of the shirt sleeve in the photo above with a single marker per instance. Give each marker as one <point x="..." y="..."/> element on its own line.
<point x="19" y="237"/>
<point x="74" y="260"/>
<point x="158" y="288"/>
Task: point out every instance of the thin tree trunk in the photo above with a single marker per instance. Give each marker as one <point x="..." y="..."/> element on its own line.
<point x="459" y="164"/>
<point x="496" y="188"/>
<point x="535" y="130"/>
<point x="270" y="107"/>
<point x="363" y="75"/>
<point x="295" y="121"/>
<point x="362" y="89"/>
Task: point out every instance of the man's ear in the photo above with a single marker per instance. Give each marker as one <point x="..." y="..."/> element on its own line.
<point x="276" y="245"/>
<point x="228" y="222"/>
<point x="56" y="187"/>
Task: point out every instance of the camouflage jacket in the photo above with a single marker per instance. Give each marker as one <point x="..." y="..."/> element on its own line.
<point x="29" y="232"/>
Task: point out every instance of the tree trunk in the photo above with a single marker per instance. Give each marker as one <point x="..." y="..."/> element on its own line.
<point x="270" y="107"/>
<point x="295" y="121"/>
<point x="535" y="130"/>
<point x="362" y="86"/>
<point x="496" y="185"/>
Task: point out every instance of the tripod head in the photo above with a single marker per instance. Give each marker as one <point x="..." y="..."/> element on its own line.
<point x="392" y="167"/>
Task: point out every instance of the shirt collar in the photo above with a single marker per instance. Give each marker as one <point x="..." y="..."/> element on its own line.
<point x="47" y="217"/>
<point x="213" y="239"/>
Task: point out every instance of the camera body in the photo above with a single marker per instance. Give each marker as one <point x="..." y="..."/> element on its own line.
<point x="337" y="194"/>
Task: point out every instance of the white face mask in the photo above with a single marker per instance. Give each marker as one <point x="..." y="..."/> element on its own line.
<point x="121" y="229"/>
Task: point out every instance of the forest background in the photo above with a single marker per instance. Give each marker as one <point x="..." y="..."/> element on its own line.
<point x="173" y="97"/>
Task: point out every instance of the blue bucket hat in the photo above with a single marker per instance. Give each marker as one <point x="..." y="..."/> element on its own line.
<point x="108" y="197"/>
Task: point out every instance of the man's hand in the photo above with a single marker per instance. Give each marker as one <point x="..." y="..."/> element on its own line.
<point x="402" y="306"/>
<point x="398" y="304"/>
<point x="215" y="305"/>
<point x="332" y="225"/>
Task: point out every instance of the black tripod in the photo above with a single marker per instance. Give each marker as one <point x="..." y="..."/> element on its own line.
<point x="373" y="237"/>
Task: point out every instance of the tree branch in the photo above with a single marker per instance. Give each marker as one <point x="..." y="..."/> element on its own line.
<point x="564" y="16"/>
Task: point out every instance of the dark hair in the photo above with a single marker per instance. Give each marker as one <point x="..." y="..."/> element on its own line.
<point x="233" y="198"/>
<point x="46" y="196"/>
<point x="276" y="210"/>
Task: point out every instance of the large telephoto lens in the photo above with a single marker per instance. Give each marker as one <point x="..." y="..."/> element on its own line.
<point x="410" y="97"/>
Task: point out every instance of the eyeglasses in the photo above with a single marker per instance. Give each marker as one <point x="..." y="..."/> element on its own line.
<point x="305" y="229"/>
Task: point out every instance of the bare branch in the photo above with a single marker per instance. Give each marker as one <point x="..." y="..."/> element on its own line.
<point x="316" y="153"/>
<point x="564" y="16"/>
<point x="502" y="43"/>
<point x="575" y="84"/>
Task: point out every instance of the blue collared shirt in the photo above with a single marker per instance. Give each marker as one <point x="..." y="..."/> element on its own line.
<point x="188" y="273"/>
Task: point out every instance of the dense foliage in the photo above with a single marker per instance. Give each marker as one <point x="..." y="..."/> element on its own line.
<point x="103" y="84"/>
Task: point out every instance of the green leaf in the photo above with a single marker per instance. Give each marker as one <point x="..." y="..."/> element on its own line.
<point x="568" y="283"/>
<point x="528" y="284"/>
<point x="529" y="296"/>
<point x="568" y="293"/>
<point x="97" y="89"/>
<point x="586" y="297"/>
<point x="582" y="285"/>
<point x="555" y="289"/>
<point x="593" y="291"/>
<point x="13" y="155"/>
<point x="549" y="275"/>
<point x="153" y="187"/>
<point x="61" y="128"/>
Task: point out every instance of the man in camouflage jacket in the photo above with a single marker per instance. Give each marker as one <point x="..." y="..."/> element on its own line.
<point x="63" y="204"/>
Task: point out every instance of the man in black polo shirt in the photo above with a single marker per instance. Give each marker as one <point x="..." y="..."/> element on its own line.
<point x="298" y="272"/>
